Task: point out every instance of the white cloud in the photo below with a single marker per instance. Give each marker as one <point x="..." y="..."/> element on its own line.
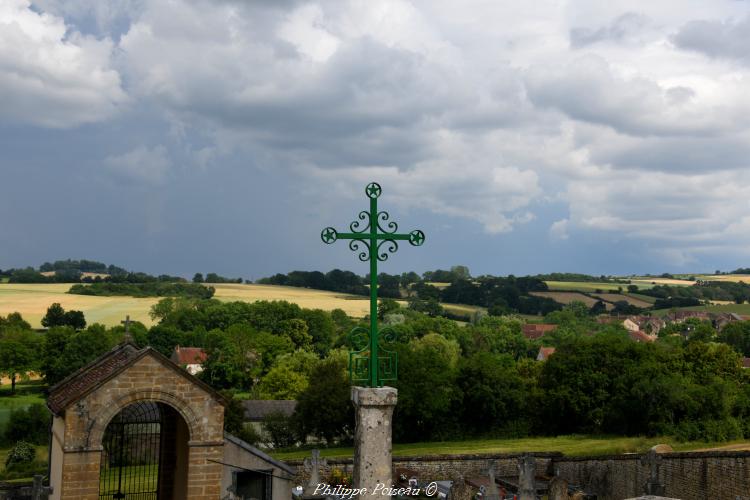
<point x="559" y="230"/>
<point x="52" y="76"/>
<point x="142" y="165"/>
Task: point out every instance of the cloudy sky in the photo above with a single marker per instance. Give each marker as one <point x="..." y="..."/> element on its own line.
<point x="522" y="137"/>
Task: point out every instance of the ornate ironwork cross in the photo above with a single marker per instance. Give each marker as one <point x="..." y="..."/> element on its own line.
<point x="374" y="236"/>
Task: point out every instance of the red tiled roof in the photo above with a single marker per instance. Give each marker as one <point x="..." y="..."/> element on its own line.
<point x="746" y="362"/>
<point x="188" y="355"/>
<point x="545" y="352"/>
<point x="640" y="336"/>
<point x="533" y="331"/>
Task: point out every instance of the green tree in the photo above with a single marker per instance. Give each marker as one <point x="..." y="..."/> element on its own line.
<point x="282" y="382"/>
<point x="75" y="319"/>
<point x="324" y="409"/>
<point x="427" y="390"/>
<point x="737" y="335"/>
<point x="55" y="316"/>
<point x="17" y="354"/>
<point x="198" y="278"/>
<point x="297" y="331"/>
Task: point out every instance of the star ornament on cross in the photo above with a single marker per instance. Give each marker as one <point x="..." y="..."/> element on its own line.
<point x="374" y="236"/>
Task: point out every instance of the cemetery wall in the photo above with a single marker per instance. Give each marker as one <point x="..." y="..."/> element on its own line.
<point x="720" y="475"/>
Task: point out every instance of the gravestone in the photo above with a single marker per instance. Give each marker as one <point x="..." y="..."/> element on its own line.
<point x="653" y="461"/>
<point x="491" y="493"/>
<point x="313" y="465"/>
<point x="527" y="478"/>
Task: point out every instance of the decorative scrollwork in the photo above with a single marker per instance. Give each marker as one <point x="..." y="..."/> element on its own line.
<point x="387" y="335"/>
<point x="390" y="247"/>
<point x="362" y="217"/>
<point x="373" y="190"/>
<point x="416" y="238"/>
<point x="329" y="235"/>
<point x="359" y="338"/>
<point x="355" y="246"/>
<point x="391" y="225"/>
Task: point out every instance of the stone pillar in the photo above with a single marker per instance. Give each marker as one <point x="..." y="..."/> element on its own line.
<point x="373" y="407"/>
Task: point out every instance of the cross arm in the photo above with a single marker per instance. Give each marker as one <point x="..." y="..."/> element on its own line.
<point x="369" y="236"/>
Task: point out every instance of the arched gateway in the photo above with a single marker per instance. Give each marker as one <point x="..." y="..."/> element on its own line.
<point x="133" y="425"/>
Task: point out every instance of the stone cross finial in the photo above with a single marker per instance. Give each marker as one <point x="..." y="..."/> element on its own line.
<point x="38" y="490"/>
<point x="126" y="322"/>
<point x="313" y="465"/>
<point x="491" y="493"/>
<point x="653" y="460"/>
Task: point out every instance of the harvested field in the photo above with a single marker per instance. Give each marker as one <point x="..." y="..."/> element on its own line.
<point x="354" y="305"/>
<point x="744" y="278"/>
<point x="568" y="297"/>
<point x="32" y="301"/>
<point x="615" y="297"/>
<point x="650" y="282"/>
<point x="584" y="286"/>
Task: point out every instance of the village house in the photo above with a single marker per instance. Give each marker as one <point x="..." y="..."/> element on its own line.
<point x="745" y="362"/>
<point x="648" y="324"/>
<point x="534" y="331"/>
<point x="190" y="358"/>
<point x="723" y="319"/>
<point x="681" y="316"/>
<point x="640" y="336"/>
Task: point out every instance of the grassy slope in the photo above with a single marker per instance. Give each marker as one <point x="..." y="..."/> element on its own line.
<point x="570" y="445"/>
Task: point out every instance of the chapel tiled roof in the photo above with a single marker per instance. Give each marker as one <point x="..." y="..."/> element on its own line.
<point x="80" y="382"/>
<point x="83" y="381"/>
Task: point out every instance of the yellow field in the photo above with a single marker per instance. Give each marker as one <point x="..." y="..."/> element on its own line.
<point x="568" y="297"/>
<point x="745" y="278"/>
<point x="660" y="281"/>
<point x="32" y="301"/>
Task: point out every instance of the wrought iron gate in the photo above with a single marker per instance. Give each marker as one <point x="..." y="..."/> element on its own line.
<point x="132" y="449"/>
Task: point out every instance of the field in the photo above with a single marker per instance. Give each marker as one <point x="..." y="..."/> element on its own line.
<point x="587" y="286"/>
<point x="614" y="297"/>
<point x="743" y="309"/>
<point x="646" y="282"/>
<point x="745" y="278"/>
<point x="575" y="445"/>
<point x="568" y="297"/>
<point x="32" y="301"/>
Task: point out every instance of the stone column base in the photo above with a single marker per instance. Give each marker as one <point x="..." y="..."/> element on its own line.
<point x="373" y="437"/>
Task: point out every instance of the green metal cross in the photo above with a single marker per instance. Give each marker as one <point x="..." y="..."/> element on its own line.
<point x="371" y="364"/>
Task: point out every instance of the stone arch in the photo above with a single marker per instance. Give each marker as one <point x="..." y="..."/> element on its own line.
<point x="155" y="395"/>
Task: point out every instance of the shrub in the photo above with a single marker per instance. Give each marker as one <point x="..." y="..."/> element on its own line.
<point x="280" y="429"/>
<point x="29" y="424"/>
<point x="21" y="454"/>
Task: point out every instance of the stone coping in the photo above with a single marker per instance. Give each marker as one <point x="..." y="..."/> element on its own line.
<point x="557" y="456"/>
